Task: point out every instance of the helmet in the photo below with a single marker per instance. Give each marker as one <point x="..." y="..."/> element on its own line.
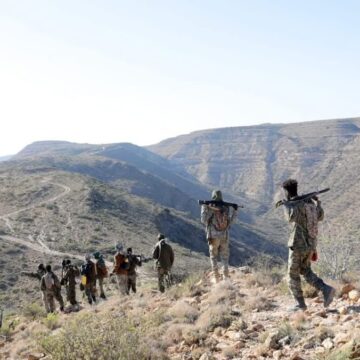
<point x="216" y="195"/>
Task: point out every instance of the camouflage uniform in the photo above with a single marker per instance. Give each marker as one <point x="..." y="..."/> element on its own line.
<point x="164" y="256"/>
<point x="134" y="261"/>
<point x="302" y="244"/>
<point x="52" y="292"/>
<point x="218" y="240"/>
<point x="71" y="272"/>
<point x="101" y="273"/>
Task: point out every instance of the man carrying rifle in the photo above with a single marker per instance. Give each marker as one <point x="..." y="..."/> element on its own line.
<point x="217" y="216"/>
<point x="134" y="261"/>
<point x="304" y="212"/>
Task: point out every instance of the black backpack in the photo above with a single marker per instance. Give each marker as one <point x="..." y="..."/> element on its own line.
<point x="86" y="269"/>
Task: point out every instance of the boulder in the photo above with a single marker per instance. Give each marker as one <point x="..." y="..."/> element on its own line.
<point x="354" y="295"/>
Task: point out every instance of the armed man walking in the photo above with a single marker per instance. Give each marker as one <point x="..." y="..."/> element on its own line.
<point x="164" y="256"/>
<point x="70" y="272"/>
<point x="101" y="272"/>
<point x="134" y="261"/>
<point x="50" y="285"/>
<point x="304" y="215"/>
<point x="88" y="279"/>
<point x="121" y="267"/>
<point x="217" y="217"/>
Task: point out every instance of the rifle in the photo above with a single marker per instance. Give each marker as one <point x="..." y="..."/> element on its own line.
<point x="297" y="199"/>
<point x="1" y="317"/>
<point x="219" y="203"/>
<point x="144" y="259"/>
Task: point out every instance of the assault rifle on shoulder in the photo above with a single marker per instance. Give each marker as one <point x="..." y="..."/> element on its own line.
<point x="299" y="198"/>
<point x="219" y="203"/>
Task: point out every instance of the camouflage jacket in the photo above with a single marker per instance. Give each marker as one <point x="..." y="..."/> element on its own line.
<point x="304" y="216"/>
<point x="163" y="254"/>
<point x="208" y="218"/>
<point x="70" y="273"/>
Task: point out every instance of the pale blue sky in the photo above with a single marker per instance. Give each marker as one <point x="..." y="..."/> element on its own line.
<point x="142" y="71"/>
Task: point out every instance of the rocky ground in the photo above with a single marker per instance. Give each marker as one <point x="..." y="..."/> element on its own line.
<point x="245" y="317"/>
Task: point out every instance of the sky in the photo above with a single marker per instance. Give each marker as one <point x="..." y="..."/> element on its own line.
<point x="143" y="71"/>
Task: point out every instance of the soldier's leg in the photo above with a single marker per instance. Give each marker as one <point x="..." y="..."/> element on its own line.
<point x="224" y="254"/>
<point x="315" y="281"/>
<point x="294" y="269"/>
<point x="132" y="283"/>
<point x="72" y="295"/>
<point x="59" y="298"/>
<point x="309" y="276"/>
<point x="294" y="280"/>
<point x="93" y="290"/>
<point x="45" y="301"/>
<point x="88" y="293"/>
<point x="122" y="282"/>
<point x="50" y="300"/>
<point x="101" y="286"/>
<point x="214" y="251"/>
<point x="161" y="279"/>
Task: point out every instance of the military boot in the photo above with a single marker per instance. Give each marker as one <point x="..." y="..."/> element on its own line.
<point x="216" y="277"/>
<point x="299" y="306"/>
<point x="328" y="293"/>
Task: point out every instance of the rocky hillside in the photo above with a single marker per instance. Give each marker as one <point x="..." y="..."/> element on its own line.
<point x="245" y="317"/>
<point x="251" y="162"/>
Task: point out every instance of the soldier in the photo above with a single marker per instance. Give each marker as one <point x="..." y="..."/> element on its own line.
<point x="217" y="219"/>
<point x="134" y="261"/>
<point x="70" y="272"/>
<point x="51" y="287"/>
<point x="121" y="267"/>
<point x="302" y="244"/>
<point x="88" y="279"/>
<point x="164" y="256"/>
<point x="101" y="272"/>
<point x="40" y="272"/>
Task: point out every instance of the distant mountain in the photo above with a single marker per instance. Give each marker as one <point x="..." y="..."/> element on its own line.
<point x="5" y="158"/>
<point x="250" y="163"/>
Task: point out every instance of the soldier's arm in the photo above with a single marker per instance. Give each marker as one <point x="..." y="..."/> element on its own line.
<point x="292" y="212"/>
<point x="320" y="211"/>
<point x="205" y="214"/>
<point x="31" y="274"/>
<point x="42" y="284"/>
<point x="233" y="215"/>
<point x="155" y="253"/>
<point x="171" y="256"/>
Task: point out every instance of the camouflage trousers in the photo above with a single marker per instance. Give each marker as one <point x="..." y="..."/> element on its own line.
<point x="131" y="283"/>
<point x="48" y="299"/>
<point x="71" y="294"/>
<point x="299" y="263"/>
<point x="122" y="280"/>
<point x="164" y="278"/>
<point x="219" y="246"/>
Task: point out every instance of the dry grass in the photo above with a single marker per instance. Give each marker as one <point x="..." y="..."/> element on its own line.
<point x="215" y="316"/>
<point x="223" y="291"/>
<point x="324" y="332"/>
<point x="183" y="312"/>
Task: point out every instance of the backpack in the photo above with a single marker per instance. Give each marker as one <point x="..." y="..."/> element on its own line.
<point x="311" y="219"/>
<point x="220" y="219"/>
<point x="86" y="269"/>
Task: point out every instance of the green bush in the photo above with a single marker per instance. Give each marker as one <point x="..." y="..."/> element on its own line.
<point x="34" y="311"/>
<point x="51" y="321"/>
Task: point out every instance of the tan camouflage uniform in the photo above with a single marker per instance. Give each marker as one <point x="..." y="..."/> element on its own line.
<point x="49" y="294"/>
<point x="302" y="244"/>
<point x="218" y="240"/>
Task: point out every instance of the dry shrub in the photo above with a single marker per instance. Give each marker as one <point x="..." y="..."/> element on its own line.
<point x="299" y="321"/>
<point x="182" y="311"/>
<point x="221" y="292"/>
<point x="323" y="332"/>
<point x="229" y="352"/>
<point x="193" y="335"/>
<point x="261" y="350"/>
<point x="258" y="302"/>
<point x="189" y="287"/>
<point x="309" y="291"/>
<point x="174" y="333"/>
<point x="214" y="316"/>
<point x="95" y="337"/>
